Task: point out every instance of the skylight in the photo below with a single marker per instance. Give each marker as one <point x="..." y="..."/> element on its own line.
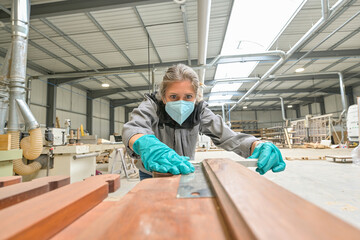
<point x="253" y="27"/>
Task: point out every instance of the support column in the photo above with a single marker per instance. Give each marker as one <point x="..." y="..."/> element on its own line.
<point x="89" y="113"/>
<point x="127" y="111"/>
<point x="322" y="106"/>
<point x="112" y="118"/>
<point x="350" y="95"/>
<point x="51" y="102"/>
<point x="310" y="109"/>
<point x="297" y="109"/>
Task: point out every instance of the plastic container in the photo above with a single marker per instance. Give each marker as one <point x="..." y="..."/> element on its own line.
<point x="355" y="155"/>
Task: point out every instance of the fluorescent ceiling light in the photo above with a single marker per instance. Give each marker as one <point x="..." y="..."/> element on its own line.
<point x="290" y="106"/>
<point x="105" y="85"/>
<point x="299" y="70"/>
<point x="220" y="97"/>
<point x="248" y="32"/>
<point x="244" y="107"/>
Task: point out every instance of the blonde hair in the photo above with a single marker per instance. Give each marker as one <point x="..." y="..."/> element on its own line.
<point x="180" y="72"/>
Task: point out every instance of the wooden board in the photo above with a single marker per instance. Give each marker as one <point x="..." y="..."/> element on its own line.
<point x="151" y="211"/>
<point x="5" y="142"/>
<point x="14" y="194"/>
<point x="256" y="208"/>
<point x="43" y="216"/>
<point x="10" y="180"/>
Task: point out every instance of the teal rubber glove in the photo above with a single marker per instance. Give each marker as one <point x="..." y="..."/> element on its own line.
<point x="269" y="157"/>
<point x="157" y="156"/>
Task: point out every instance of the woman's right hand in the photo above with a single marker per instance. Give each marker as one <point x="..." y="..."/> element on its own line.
<point x="157" y="156"/>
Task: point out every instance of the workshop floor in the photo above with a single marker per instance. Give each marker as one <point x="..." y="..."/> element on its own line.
<point x="335" y="187"/>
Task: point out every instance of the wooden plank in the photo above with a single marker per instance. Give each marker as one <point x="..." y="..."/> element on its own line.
<point x="113" y="180"/>
<point x="10" y="180"/>
<point x="45" y="215"/>
<point x="17" y="193"/>
<point x="151" y="211"/>
<point x="5" y="142"/>
<point x="256" y="208"/>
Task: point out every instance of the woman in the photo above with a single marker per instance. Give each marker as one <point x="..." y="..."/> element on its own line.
<point x="163" y="130"/>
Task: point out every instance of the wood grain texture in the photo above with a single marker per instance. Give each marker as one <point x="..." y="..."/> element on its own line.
<point x="17" y="193"/>
<point x="113" y="180"/>
<point x="252" y="203"/>
<point x="43" y="216"/>
<point x="10" y="180"/>
<point x="5" y="142"/>
<point x="151" y="211"/>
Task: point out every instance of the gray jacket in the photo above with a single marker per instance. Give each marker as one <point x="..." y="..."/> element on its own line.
<point x="144" y="120"/>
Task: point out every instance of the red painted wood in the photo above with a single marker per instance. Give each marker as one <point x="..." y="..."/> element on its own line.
<point x="150" y="211"/>
<point x="43" y="216"/>
<point x="7" y="181"/>
<point x="267" y="210"/>
<point x="20" y="192"/>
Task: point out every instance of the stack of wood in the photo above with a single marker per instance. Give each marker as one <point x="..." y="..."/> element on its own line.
<point x="314" y="145"/>
<point x="41" y="208"/>
<point x="104" y="157"/>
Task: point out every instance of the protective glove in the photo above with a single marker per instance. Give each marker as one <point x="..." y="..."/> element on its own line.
<point x="269" y="157"/>
<point x="157" y="156"/>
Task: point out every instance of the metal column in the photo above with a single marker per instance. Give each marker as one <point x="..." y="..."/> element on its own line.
<point x="112" y="119"/>
<point x="89" y="113"/>
<point x="51" y="102"/>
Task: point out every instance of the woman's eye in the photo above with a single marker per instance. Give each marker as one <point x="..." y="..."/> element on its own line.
<point x="172" y="97"/>
<point x="189" y="96"/>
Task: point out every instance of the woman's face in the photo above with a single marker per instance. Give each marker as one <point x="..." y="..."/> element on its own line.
<point x="180" y="90"/>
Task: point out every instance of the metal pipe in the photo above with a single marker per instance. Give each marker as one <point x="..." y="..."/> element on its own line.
<point x="153" y="80"/>
<point x="325" y="8"/>
<point x="223" y="112"/>
<point x="322" y="21"/>
<point x="234" y="80"/>
<point x="20" y="31"/>
<point x="86" y="155"/>
<point x="343" y="95"/>
<point x="279" y="53"/>
<point x="28" y="92"/>
<point x="29" y="118"/>
<point x="283" y="109"/>
<point x="204" y="9"/>
<point x="187" y="42"/>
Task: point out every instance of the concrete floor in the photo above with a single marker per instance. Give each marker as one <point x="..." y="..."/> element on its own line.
<point x="334" y="187"/>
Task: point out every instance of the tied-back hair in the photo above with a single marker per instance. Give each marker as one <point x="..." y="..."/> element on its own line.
<point x="180" y="72"/>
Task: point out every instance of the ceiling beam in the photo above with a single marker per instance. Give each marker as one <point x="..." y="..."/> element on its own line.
<point x="78" y="6"/>
<point x="164" y="65"/>
<point x="122" y="102"/>
<point x="275" y="91"/>
<point x="105" y="92"/>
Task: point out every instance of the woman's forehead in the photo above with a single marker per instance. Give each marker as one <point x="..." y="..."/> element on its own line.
<point x="180" y="87"/>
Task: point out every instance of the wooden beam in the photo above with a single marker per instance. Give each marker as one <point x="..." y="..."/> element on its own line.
<point x="7" y="181"/>
<point x="5" y="142"/>
<point x="17" y="193"/>
<point x="255" y="207"/>
<point x="47" y="214"/>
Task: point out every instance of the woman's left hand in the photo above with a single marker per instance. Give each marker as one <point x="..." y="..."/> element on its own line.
<point x="269" y="157"/>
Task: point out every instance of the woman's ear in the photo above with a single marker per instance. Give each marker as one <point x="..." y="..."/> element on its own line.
<point x="163" y="100"/>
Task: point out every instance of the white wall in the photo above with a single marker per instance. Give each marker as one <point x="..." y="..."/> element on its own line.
<point x="333" y="104"/>
<point x="101" y="118"/>
<point x="356" y="93"/>
<point x="119" y="119"/>
<point x="71" y="104"/>
<point x="38" y="97"/>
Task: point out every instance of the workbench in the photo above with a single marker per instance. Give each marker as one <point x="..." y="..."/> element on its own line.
<point x="6" y="161"/>
<point x="76" y="161"/>
<point x="243" y="205"/>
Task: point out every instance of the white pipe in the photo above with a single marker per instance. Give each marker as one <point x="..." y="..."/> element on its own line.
<point x="29" y="118"/>
<point x="204" y="9"/>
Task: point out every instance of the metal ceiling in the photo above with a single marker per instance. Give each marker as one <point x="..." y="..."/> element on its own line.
<point x="90" y="38"/>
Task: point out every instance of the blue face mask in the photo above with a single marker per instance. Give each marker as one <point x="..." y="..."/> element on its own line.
<point x="179" y="110"/>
